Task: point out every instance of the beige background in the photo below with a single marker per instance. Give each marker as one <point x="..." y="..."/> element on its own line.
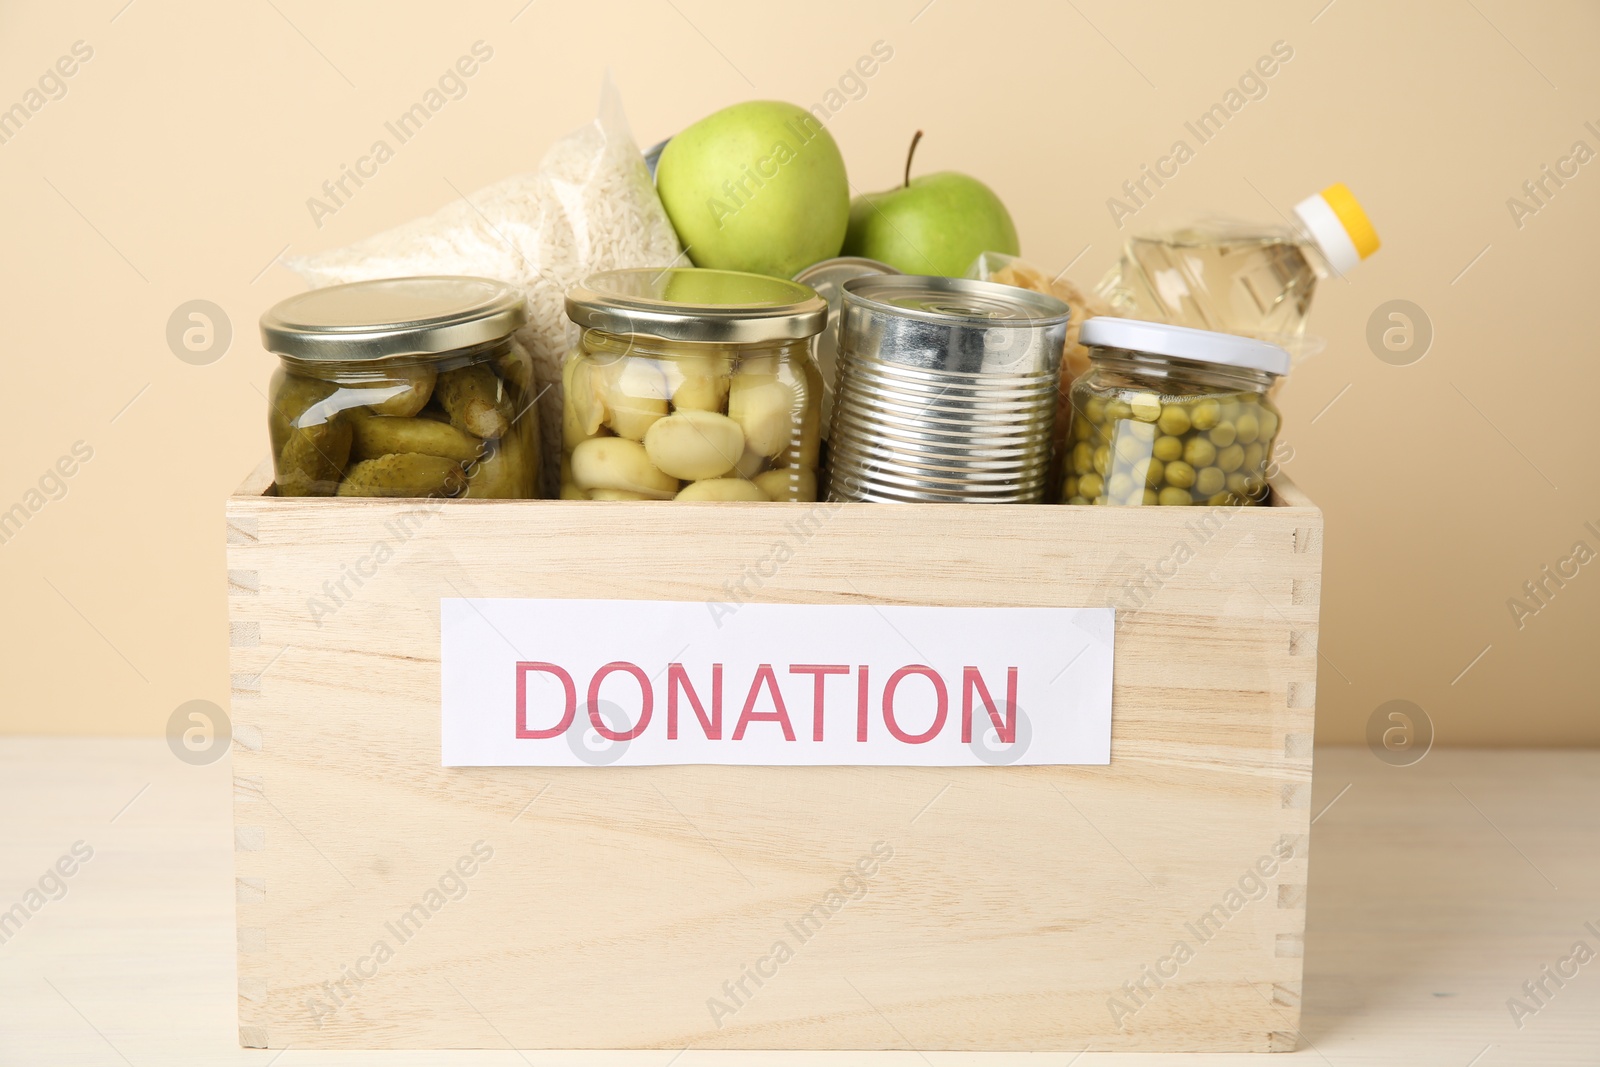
<point x="178" y="164"/>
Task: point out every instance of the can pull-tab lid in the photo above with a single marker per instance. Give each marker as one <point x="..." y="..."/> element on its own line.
<point x="1339" y="225"/>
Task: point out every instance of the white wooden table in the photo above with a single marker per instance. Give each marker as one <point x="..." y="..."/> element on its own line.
<point x="1436" y="892"/>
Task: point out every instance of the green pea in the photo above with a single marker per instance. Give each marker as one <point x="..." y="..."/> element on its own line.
<point x="1231" y="458"/>
<point x="1083" y="457"/>
<point x="1269" y="423"/>
<point x="1167" y="449"/>
<point x="1120" y="486"/>
<point x="1249" y="427"/>
<point x="1222" y="434"/>
<point x="1094" y="409"/>
<point x="1102" y="459"/>
<point x="1129" y="448"/>
<point x="1179" y="474"/>
<point x="1151" y="497"/>
<point x="1220" y="499"/>
<point x="1171" y="497"/>
<point x="1237" y="483"/>
<point x="1155" y="472"/>
<point x="1205" y="414"/>
<point x="1139" y="431"/>
<point x="1118" y="409"/>
<point x="1078" y="500"/>
<point x="1198" y="452"/>
<point x="1146" y="407"/>
<point x="1101" y="500"/>
<point x="1082" y="428"/>
<point x="1253" y="457"/>
<point x="1209" y="480"/>
<point x="1070" y="487"/>
<point x="1091" y="485"/>
<point x="1174" y="420"/>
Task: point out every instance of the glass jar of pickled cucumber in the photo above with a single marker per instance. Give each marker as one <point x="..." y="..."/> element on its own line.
<point x="1171" y="415"/>
<point x="402" y="387"/>
<point x="691" y="384"/>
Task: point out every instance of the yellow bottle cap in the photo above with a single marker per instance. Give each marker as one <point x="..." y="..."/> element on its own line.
<point x="1345" y="205"/>
<point x="1335" y="219"/>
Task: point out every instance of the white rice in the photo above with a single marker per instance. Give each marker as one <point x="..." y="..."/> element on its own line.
<point x="590" y="207"/>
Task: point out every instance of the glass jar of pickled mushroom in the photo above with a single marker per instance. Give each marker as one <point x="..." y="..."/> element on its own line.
<point x="1171" y="415"/>
<point x="402" y="387"/>
<point x="691" y="384"/>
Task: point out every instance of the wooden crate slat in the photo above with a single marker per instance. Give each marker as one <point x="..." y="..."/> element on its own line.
<point x="1020" y="905"/>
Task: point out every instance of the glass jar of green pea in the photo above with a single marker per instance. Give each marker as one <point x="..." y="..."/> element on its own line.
<point x="1171" y="415"/>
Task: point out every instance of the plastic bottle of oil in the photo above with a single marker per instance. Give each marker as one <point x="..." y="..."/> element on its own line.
<point x="1238" y="277"/>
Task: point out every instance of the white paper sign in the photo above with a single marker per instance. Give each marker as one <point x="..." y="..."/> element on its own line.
<point x="565" y="683"/>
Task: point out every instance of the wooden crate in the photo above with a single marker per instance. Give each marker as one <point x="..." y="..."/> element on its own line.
<point x="1023" y="908"/>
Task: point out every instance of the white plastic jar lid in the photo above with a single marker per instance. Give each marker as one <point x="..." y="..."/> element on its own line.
<point x="1184" y="342"/>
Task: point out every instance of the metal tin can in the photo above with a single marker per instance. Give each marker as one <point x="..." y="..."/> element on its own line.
<point x="946" y="391"/>
<point x="827" y="278"/>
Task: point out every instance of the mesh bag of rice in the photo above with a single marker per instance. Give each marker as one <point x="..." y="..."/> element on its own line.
<point x="591" y="206"/>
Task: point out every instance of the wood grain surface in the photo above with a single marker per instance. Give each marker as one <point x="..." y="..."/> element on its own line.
<point x="1438" y="890"/>
<point x="1009" y="908"/>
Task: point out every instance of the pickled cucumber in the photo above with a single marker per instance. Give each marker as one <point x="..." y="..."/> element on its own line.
<point x="405" y="395"/>
<point x="404" y="474"/>
<point x="313" y="458"/>
<point x="380" y="435"/>
<point x="516" y="368"/>
<point x="476" y="400"/>
<point x="292" y="396"/>
<point x="508" y="471"/>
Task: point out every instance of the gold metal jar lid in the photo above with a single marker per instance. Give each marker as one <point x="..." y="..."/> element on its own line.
<point x="392" y="318"/>
<point x="696" y="304"/>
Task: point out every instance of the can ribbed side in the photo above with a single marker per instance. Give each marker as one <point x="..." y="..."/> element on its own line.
<point x="911" y="434"/>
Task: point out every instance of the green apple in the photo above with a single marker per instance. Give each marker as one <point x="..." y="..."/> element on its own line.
<point x="758" y="186"/>
<point x="935" y="224"/>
